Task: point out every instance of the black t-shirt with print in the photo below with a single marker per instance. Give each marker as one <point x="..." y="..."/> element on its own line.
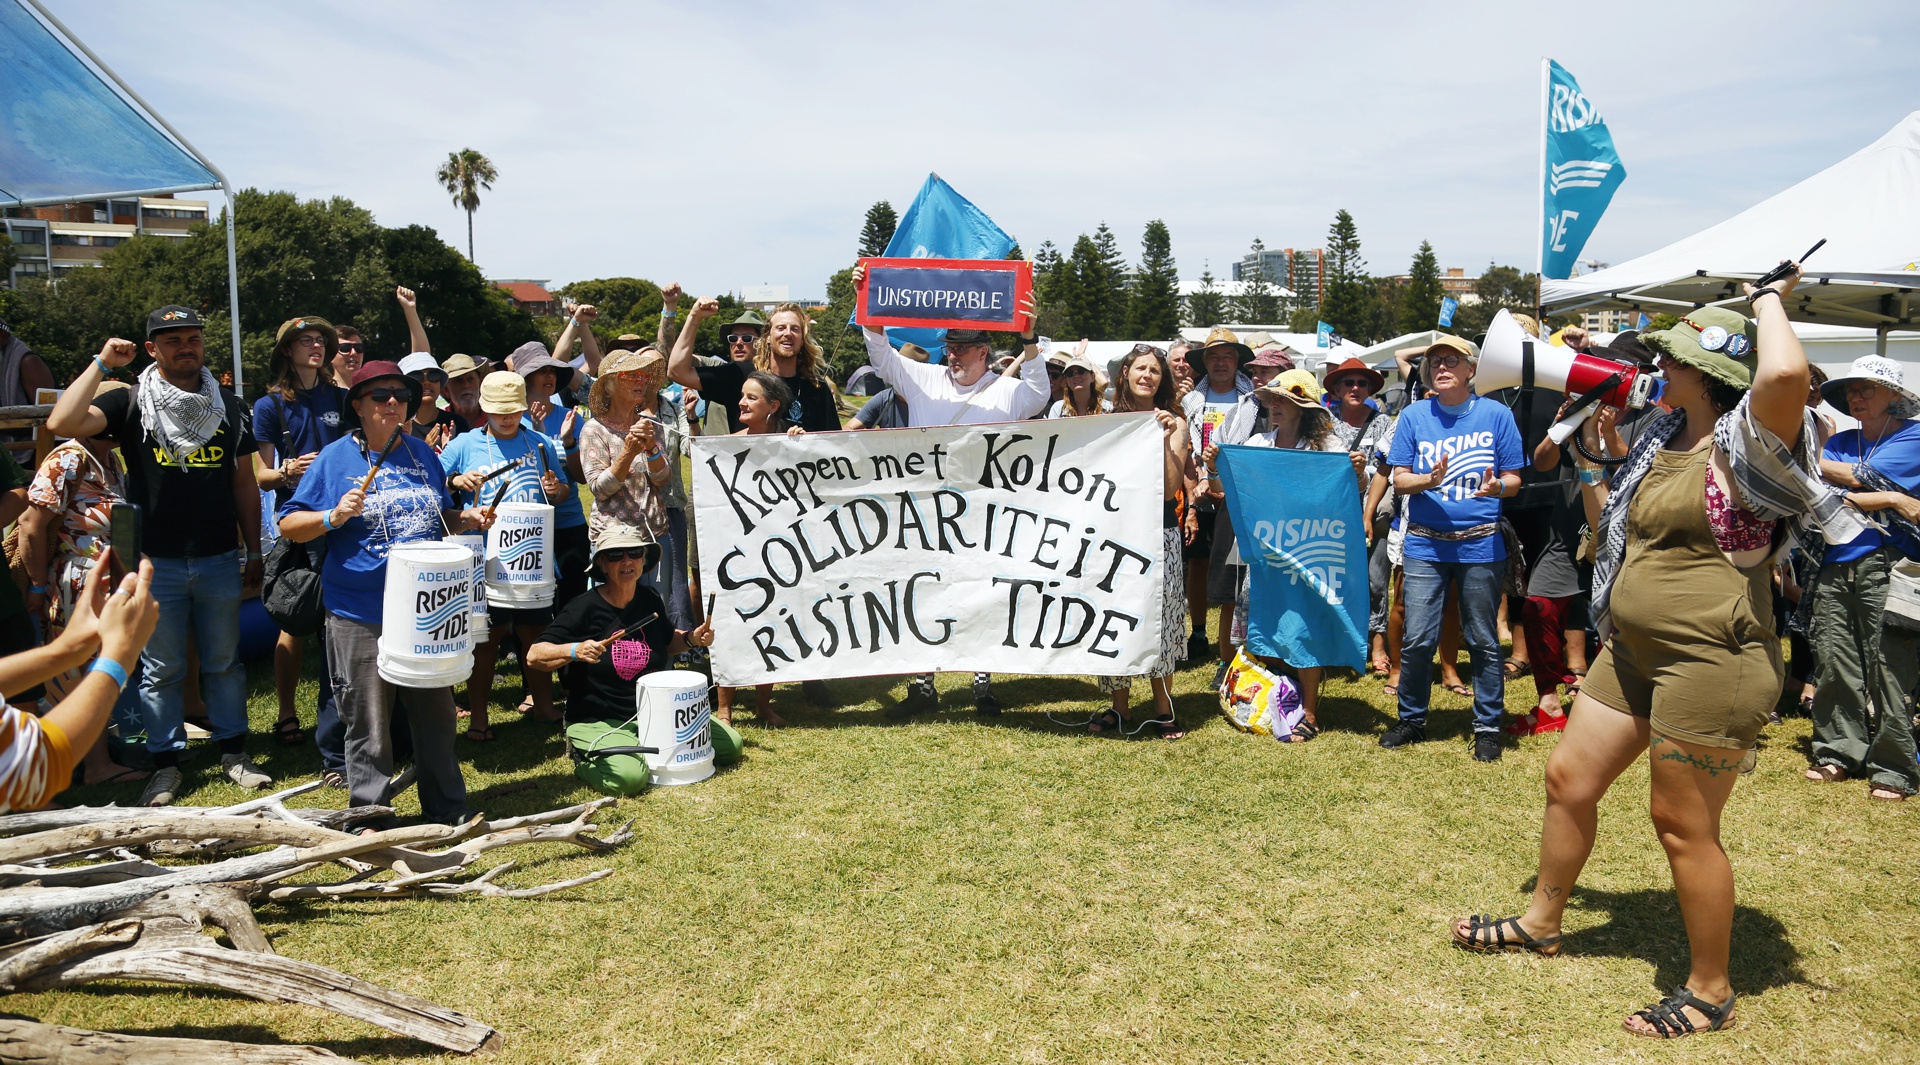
<point x="186" y="513"/>
<point x="604" y="690"/>
<point x="813" y="407"/>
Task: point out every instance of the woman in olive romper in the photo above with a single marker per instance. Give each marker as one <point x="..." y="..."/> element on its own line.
<point x="1711" y="494"/>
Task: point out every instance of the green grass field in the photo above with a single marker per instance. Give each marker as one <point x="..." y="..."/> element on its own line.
<point x="959" y="889"/>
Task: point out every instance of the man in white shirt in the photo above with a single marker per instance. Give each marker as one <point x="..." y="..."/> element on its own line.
<point x="961" y="391"/>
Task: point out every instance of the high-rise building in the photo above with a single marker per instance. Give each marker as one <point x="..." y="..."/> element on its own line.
<point x="54" y="240"/>
<point x="1278" y="266"/>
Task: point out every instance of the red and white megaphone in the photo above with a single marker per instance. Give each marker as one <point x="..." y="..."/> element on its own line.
<point x="1509" y="348"/>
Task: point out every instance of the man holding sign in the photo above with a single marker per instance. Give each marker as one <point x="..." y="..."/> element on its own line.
<point x="959" y="392"/>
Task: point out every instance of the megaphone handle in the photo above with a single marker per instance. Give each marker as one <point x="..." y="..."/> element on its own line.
<point x="1568" y="425"/>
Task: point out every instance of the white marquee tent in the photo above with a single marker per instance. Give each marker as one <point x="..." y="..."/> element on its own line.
<point x="1866" y="207"/>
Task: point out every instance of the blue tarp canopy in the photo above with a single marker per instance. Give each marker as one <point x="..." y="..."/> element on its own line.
<point x="66" y="135"/>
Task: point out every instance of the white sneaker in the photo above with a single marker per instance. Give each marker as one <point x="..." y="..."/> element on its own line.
<point x="161" y="787"/>
<point x="241" y="770"/>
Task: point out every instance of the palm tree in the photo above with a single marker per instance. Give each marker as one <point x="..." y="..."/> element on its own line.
<point x="464" y="174"/>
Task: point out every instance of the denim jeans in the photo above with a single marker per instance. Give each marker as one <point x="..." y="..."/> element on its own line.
<point x="201" y="597"/>
<point x="1425" y="586"/>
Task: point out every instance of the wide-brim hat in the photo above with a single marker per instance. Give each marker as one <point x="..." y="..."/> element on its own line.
<point x="1197" y="355"/>
<point x="616" y="536"/>
<point x="1296" y="387"/>
<point x="503" y="392"/>
<point x="747" y="318"/>
<point x="458" y="365"/>
<point x="532" y="357"/>
<point x="1879" y="370"/>
<point x="1375" y="379"/>
<point x="968" y="336"/>
<point x="1720" y="343"/>
<point x="363" y="379"/>
<point x="621" y="361"/>
<point x="294" y="327"/>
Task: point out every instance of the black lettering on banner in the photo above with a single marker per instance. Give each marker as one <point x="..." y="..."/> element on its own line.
<point x="938" y="451"/>
<point x="1081" y="558"/>
<point x="1046" y="466"/>
<point x="888" y="615"/>
<point x="910" y="519"/>
<point x="730" y="487"/>
<point x="793" y="556"/>
<point x="879" y="513"/>
<point x="1067" y="604"/>
<point x="763" y="642"/>
<point x="916" y="464"/>
<point x="1092" y="489"/>
<point x="833" y="519"/>
<point x="799" y="640"/>
<point x="1046" y="540"/>
<point x="1079" y="480"/>
<point x="806" y="548"/>
<point x="1014" y="585"/>
<point x="1107" y="631"/>
<point x="992" y="464"/>
<point x="950" y="522"/>
<point x="1120" y="553"/>
<point x="732" y="584"/>
<point x="887" y="467"/>
<point x="832" y="643"/>
<point x="913" y="620"/>
<point x="1013" y="526"/>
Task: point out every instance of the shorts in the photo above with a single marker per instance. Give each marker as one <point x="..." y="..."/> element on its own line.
<point x="504" y="617"/>
<point x="1714" y="697"/>
<point x="1202" y="545"/>
<point x="18" y="634"/>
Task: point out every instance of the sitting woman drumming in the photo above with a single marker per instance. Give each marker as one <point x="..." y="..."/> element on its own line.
<point x="614" y="632"/>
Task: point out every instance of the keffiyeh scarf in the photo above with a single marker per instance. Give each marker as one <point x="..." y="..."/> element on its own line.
<point x="1775" y="483"/>
<point x="182" y="421"/>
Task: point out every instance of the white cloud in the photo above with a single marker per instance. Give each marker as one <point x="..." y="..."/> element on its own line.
<point x="731" y="144"/>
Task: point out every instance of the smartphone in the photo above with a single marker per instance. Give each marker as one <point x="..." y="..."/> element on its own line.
<point x="123" y="532"/>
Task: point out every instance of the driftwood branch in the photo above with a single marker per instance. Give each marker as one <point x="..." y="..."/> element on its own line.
<point x="54" y="1044"/>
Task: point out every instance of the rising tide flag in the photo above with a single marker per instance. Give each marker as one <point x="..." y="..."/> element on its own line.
<point x="942" y="224"/>
<point x="1579" y="170"/>
<point x="1296" y="521"/>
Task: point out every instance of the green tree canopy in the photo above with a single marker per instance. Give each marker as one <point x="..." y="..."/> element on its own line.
<point x="1153" y="305"/>
<point x="1345" y="303"/>
<point x="295" y="257"/>
<point x="1420" y="302"/>
<point x="878" y="229"/>
<point x="1498" y="287"/>
<point x="1207" y="305"/>
<point x="1259" y="300"/>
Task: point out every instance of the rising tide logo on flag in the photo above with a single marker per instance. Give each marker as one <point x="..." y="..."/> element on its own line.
<point x="1582" y="172"/>
<point x="1296" y="520"/>
<point x="942" y="224"/>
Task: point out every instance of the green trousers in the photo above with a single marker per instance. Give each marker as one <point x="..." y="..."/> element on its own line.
<point x="1860" y="717"/>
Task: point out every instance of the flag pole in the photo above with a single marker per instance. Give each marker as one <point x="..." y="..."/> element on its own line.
<point x="1540" y="228"/>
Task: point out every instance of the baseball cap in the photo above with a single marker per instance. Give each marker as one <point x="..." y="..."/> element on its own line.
<point x="173" y="316"/>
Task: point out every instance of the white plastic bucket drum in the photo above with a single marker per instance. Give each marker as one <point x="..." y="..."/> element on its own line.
<point x="674" y="715"/>
<point x="520" y="560"/>
<point x="477" y="545"/>
<point x="426" y="624"/>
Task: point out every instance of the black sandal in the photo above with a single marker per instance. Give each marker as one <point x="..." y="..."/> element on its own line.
<point x="1302" y="732"/>
<point x="1489" y="936"/>
<point x="1669" y="1018"/>
<point x="286" y="732"/>
<point x="1108" y="721"/>
<point x="1169" y="727"/>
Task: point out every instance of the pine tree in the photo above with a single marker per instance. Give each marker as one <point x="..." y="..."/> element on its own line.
<point x="874" y="236"/>
<point x="1259" y="299"/>
<point x="1303" y="278"/>
<point x="1345" y="303"/>
<point x="1206" y="306"/>
<point x="1153" y="307"/>
<point x="1083" y="291"/>
<point x="1116" y="282"/>
<point x="1420" y="300"/>
<point x="1052" y="281"/>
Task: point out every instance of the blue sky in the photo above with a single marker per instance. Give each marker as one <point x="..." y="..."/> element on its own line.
<point x="727" y="144"/>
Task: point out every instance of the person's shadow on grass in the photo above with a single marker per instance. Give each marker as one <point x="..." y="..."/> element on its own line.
<point x="1646" y="924"/>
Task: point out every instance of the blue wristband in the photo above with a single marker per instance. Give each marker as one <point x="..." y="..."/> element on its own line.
<point x="112" y="669"/>
<point x="104" y="372"/>
<point x="668" y="314"/>
<point x="326" y="520"/>
<point x="573" y="653"/>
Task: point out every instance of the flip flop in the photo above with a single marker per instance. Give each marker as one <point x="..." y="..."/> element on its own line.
<point x="479" y="735"/>
<point x="1459" y="689"/>
<point x="1390" y="689"/>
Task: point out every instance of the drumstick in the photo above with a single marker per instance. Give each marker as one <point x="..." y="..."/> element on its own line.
<point x="501" y="494"/>
<point x="642" y="623"/>
<point x="392" y="442"/>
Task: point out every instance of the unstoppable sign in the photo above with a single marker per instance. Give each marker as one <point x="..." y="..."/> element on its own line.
<point x="1023" y="547"/>
<point x="944" y="293"/>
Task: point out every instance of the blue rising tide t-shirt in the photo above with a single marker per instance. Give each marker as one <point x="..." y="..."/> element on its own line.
<point x="403" y="505"/>
<point x="1477" y="435"/>
<point x="1897" y="455"/>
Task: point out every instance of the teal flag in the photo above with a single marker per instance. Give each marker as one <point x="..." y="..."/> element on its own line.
<point x="1296" y="518"/>
<point x="1583" y="172"/>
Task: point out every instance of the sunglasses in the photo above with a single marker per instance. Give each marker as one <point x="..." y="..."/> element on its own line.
<point x="352" y="345"/>
<point x="1352" y="382"/>
<point x="1146" y="349"/>
<point x="1055" y="371"/>
<point x="1078" y="371"/>
<point x="631" y="554"/>
<point x="741" y="338"/>
<point x="387" y="395"/>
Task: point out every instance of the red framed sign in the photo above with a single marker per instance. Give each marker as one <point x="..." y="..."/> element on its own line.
<point x="944" y="293"/>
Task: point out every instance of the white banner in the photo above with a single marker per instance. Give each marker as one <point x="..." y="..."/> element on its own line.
<point x="1022" y="547"/>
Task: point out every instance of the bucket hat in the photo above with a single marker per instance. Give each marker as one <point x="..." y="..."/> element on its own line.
<point x="1718" y="342"/>
<point x="1296" y="387"/>
<point x="1196" y="355"/>
<point x="421" y="362"/>
<point x="503" y="392"/>
<point x="293" y="327"/>
<point x="616" y="536"/>
<point x="1376" y="380"/>
<point x="1273" y="356"/>
<point x="363" y="380"/>
<point x="1879" y="370"/>
<point x="532" y="357"/>
<point x="750" y="319"/>
<point x="458" y="365"/>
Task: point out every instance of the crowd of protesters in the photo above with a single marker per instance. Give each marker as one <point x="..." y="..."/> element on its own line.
<point x="1470" y="543"/>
